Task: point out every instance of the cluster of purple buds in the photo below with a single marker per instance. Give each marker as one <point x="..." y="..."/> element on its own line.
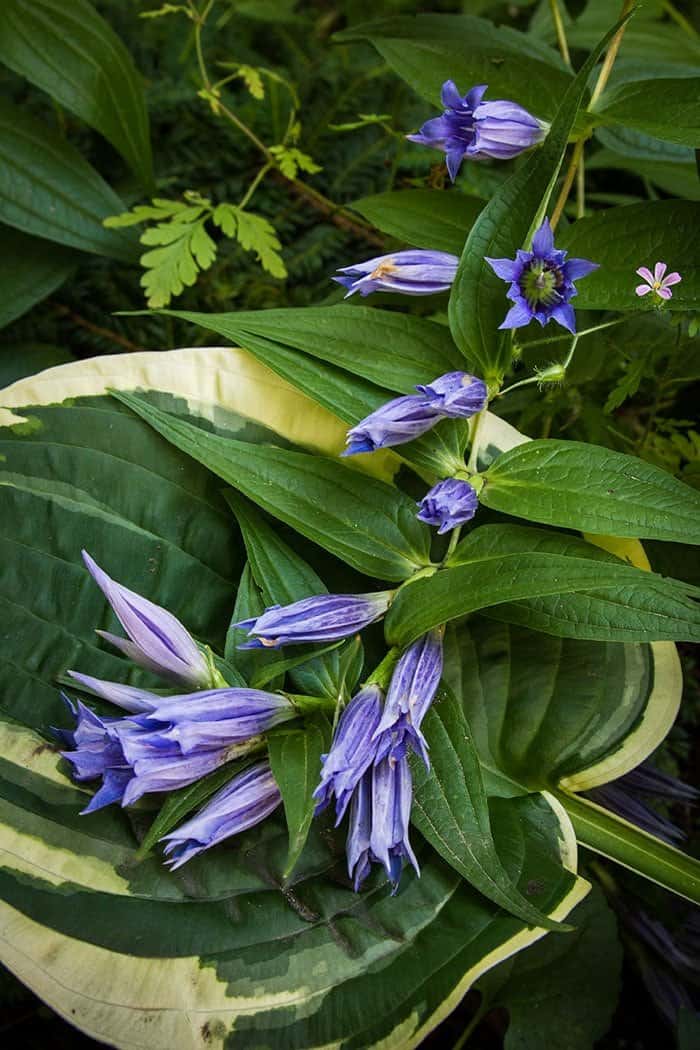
<point x="451" y="396"/>
<point x="541" y="282"/>
<point x="472" y="128"/>
<point x="367" y="766"/>
<point x="167" y="742"/>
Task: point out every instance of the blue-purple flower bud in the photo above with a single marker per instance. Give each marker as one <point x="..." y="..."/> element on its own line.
<point x="448" y="504"/>
<point x="322" y="618"/>
<point x="470" y="127"/>
<point x="157" y="639"/>
<point x="128" y="697"/>
<point x="394" y="423"/>
<point x="250" y="797"/>
<point x="412" y="272"/>
<point x="392" y="794"/>
<point x="352" y="751"/>
<point x="456" y="394"/>
<point x="541" y="282"/>
<point x="622" y="796"/>
<point x="411" y="691"/>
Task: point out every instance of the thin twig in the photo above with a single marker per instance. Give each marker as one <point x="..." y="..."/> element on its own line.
<point x="105" y="333"/>
<point x="561" y="33"/>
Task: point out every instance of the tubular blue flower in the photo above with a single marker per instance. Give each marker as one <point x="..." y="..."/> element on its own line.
<point x="541" y="282"/>
<point x="392" y="794"/>
<point x="413" y="272"/>
<point x="96" y="752"/>
<point x="456" y="394"/>
<point x="352" y="751"/>
<point x="448" y="504"/>
<point x="622" y="797"/>
<point x="128" y="697"/>
<point x="322" y="618"/>
<point x="212" y="719"/>
<point x="157" y="639"/>
<point x="472" y="128"/>
<point x="250" y="797"/>
<point x="357" y="844"/>
<point x="394" y="423"/>
<point x="412" y="689"/>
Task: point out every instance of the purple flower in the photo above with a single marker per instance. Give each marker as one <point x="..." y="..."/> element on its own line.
<point x="158" y="641"/>
<point x="541" y="282"/>
<point x="456" y="394"/>
<point x="476" y="129"/>
<point x="322" y="618"/>
<point x="412" y="689"/>
<point x="448" y="504"/>
<point x="394" y="423"/>
<point x="622" y="797"/>
<point x="128" y="697"/>
<point x="656" y="282"/>
<point x="352" y="751"/>
<point x="250" y="797"/>
<point x="214" y="718"/>
<point x="379" y="820"/>
<point x="412" y="272"/>
<point x="96" y="752"/>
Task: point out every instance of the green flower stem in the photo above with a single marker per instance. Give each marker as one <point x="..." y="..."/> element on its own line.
<point x="382" y="673"/>
<point x="561" y="32"/>
<point x="603" y="832"/>
<point x="454" y="539"/>
<point x="474" y="450"/>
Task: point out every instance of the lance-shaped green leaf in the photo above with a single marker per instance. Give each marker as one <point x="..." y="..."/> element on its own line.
<point x="587" y="487"/>
<point x="488" y="570"/>
<point x="249" y="602"/>
<point x="478" y="303"/>
<point x="295" y="758"/>
<point x="30" y="269"/>
<point x="392" y="350"/>
<point x="48" y="189"/>
<point x="604" y="832"/>
<point x="284" y="577"/>
<point x="450" y="809"/>
<point x="621" y="239"/>
<point x="368" y="524"/>
<point x="427" y="49"/>
<point x="425" y="218"/>
<point x="69" y="51"/>
<point x="673" y="115"/>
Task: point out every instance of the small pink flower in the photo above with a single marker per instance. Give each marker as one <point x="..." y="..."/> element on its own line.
<point x="656" y="282"/>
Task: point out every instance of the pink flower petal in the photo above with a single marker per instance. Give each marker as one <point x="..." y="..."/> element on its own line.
<point x="642" y="289"/>
<point x="646" y="273"/>
<point x="659" y="270"/>
<point x="664" y="293"/>
<point x="673" y="278"/>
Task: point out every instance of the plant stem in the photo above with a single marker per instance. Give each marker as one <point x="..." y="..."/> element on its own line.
<point x="603" y="77"/>
<point x="567" y="360"/>
<point x="586" y="331"/>
<point x="677" y="17"/>
<point x="474" y="450"/>
<point x="611" y="55"/>
<point x="581" y="189"/>
<point x="561" y="33"/>
<point x="254" y="185"/>
<point x="471" y="1027"/>
<point x="604" y="832"/>
<point x="454" y="540"/>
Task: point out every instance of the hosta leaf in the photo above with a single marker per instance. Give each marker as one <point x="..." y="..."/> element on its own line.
<point x="478" y="303"/>
<point x="69" y="51"/>
<point x="581" y="486"/>
<point x="487" y="570"/>
<point x="49" y="190"/>
<point x="366" y="523"/>
<point x="424" y="218"/>
<point x="450" y="809"/>
<point x="622" y="239"/>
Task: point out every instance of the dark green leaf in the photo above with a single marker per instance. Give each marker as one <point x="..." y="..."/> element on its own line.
<point x="478" y="301"/>
<point x="451" y="811"/>
<point x="249" y="602"/>
<point x="428" y="49"/>
<point x="49" y="190"/>
<point x="69" y="51"/>
<point x="593" y="489"/>
<point x="424" y="218"/>
<point x="295" y="757"/>
<point x="18" y="360"/>
<point x="30" y="269"/>
<point x="179" y="804"/>
<point x="621" y="239"/>
<point x="489" y="569"/>
<point x="665" y="106"/>
<point x="370" y="525"/>
<point x="562" y="992"/>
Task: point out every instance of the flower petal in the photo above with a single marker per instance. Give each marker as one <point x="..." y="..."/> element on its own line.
<point x="646" y="273"/>
<point x="543" y="240"/>
<point x="659" y="270"/>
<point x="642" y="289"/>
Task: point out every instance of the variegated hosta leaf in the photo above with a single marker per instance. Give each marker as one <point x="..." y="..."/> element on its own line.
<point x="222" y="951"/>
